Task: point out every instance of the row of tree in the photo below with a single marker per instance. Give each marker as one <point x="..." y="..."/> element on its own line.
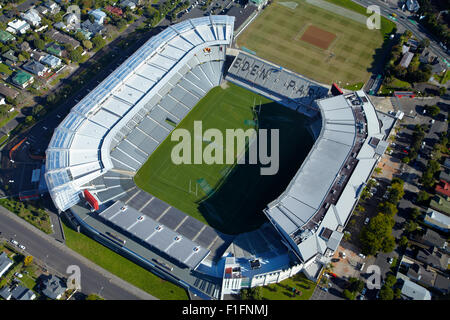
<point x="377" y="235"/>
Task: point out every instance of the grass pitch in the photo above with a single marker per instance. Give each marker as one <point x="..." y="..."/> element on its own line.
<point x="276" y="36"/>
<point x="239" y="191"/>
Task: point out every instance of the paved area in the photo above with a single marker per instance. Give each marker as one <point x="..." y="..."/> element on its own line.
<point x="57" y="257"/>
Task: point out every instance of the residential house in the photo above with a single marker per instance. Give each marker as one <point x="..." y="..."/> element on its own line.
<point x="72" y="22"/>
<point x="447" y="163"/>
<point x="37" y="55"/>
<point x="52" y="6"/>
<point x="427" y="56"/>
<point x="62" y="38"/>
<point x="18" y="26"/>
<point x="60" y="26"/>
<point x="437" y="220"/>
<point x="114" y="10"/>
<point x="42" y="10"/>
<point x="5" y="293"/>
<point x="6" y="36"/>
<point x="32" y="17"/>
<point x="406" y="59"/>
<point x="35" y="68"/>
<point x="412" y="5"/>
<point x="413" y="291"/>
<point x="5" y="263"/>
<point x="421" y="275"/>
<point x="2" y="100"/>
<point x="444" y="175"/>
<point x="442" y="284"/>
<point x="10" y="58"/>
<point x="22" y="79"/>
<point x="443" y="188"/>
<point x="92" y="28"/>
<point x="53" y="287"/>
<point x="7" y="91"/>
<point x="25" y="46"/>
<point x="434" y="240"/>
<point x="99" y="16"/>
<point x="54" y="49"/>
<point x="51" y="61"/>
<point x="22" y="293"/>
<point x="433" y="258"/>
<point x="127" y="4"/>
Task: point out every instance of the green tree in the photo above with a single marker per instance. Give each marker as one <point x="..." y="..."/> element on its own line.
<point x="403" y="242"/>
<point x="87" y="44"/>
<point x="415" y="213"/>
<point x="39" y="44"/>
<point x="348" y="294"/>
<point x="386" y="293"/>
<point x="390" y="280"/>
<point x="37" y="109"/>
<point x="388" y="244"/>
<point x="433" y="110"/>
<point x="411" y="226"/>
<point x="98" y="42"/>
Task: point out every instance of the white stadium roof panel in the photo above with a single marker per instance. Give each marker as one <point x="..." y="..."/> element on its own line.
<point x="173" y="52"/>
<point x="193" y="38"/>
<point x="161" y="61"/>
<point x="77" y="157"/>
<point x="182" y="44"/>
<point x="150" y="72"/>
<point x="92" y="129"/>
<point x="140" y="83"/>
<point x="128" y="94"/>
<point x="115" y="106"/>
<point x="83" y="169"/>
<point x="104" y="118"/>
<point x="84" y="142"/>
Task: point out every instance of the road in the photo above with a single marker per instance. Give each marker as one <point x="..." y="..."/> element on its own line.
<point x="417" y="30"/>
<point x="57" y="257"/>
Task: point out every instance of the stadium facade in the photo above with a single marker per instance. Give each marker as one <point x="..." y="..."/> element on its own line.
<point x="105" y="139"/>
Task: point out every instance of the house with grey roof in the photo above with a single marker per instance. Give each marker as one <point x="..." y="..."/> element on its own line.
<point x="442" y="284"/>
<point x="433" y="258"/>
<point x="22" y="293"/>
<point x="406" y="59"/>
<point x="10" y="58"/>
<point x="5" y="293"/>
<point x="52" y="6"/>
<point x="53" y="287"/>
<point x="51" y="61"/>
<point x="35" y="67"/>
<point x="413" y="291"/>
<point x="99" y="16"/>
<point x="32" y="17"/>
<point x="433" y="239"/>
<point x="5" y="263"/>
<point x="92" y="28"/>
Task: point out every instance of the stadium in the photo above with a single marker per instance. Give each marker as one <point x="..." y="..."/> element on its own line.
<point x="98" y="149"/>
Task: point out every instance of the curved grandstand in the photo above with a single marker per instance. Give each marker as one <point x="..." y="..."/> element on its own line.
<point x="96" y="150"/>
<point x="110" y="133"/>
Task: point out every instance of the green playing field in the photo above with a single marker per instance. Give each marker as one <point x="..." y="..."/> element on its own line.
<point x="227" y="197"/>
<point x="276" y="35"/>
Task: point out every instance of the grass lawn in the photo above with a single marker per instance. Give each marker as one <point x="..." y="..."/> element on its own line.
<point x="5" y="69"/>
<point x="223" y="194"/>
<point x="275" y="35"/>
<point x="443" y="78"/>
<point x="11" y="115"/>
<point x="355" y="87"/>
<point x="122" y="267"/>
<point x="283" y="290"/>
<point x="444" y="206"/>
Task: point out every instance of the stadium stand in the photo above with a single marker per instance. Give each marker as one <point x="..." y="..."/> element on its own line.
<point x="276" y="83"/>
<point x="118" y="125"/>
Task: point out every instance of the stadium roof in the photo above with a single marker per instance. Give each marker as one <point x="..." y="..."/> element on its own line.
<point x="80" y="147"/>
<point x="154" y="234"/>
<point x="325" y="189"/>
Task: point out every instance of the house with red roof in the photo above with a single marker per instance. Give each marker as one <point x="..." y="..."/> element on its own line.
<point x="114" y="10"/>
<point x="443" y="188"/>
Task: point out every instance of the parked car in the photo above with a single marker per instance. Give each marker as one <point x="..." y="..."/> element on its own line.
<point x="14" y="242"/>
<point x="362" y="256"/>
<point x="390" y="260"/>
<point x="364" y="290"/>
<point x="366" y="221"/>
<point x="21" y="246"/>
<point x="18" y="275"/>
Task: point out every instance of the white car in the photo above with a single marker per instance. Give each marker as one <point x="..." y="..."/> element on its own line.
<point x="21" y="246"/>
<point x="390" y="260"/>
<point x="362" y="256"/>
<point x="18" y="275"/>
<point x="366" y="221"/>
<point x="14" y="242"/>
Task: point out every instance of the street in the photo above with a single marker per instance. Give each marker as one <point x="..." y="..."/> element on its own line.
<point x="57" y="257"/>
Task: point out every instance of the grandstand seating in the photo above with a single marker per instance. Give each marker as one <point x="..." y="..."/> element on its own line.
<point x="120" y="123"/>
